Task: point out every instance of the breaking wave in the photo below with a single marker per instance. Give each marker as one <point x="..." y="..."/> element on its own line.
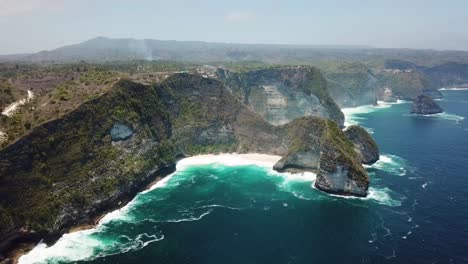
<point x="353" y="115"/>
<point x="126" y="229"/>
<point x="453" y="89"/>
<point x="87" y="245"/>
<point x="440" y="116"/>
<point x="391" y="164"/>
<point x="383" y="196"/>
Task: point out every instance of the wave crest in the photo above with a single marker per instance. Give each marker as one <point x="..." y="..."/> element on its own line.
<point x="352" y="114"/>
<point x="443" y="116"/>
<point x="391" y="164"/>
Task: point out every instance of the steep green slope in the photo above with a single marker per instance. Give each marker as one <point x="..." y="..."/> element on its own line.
<point x="363" y="143"/>
<point x="93" y="159"/>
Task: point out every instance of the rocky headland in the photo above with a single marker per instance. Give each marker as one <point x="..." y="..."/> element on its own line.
<point x="363" y="143"/>
<point x="281" y="94"/>
<point x="425" y="105"/>
<point x="98" y="156"/>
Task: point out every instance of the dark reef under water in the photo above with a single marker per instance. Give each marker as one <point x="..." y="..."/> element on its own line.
<point x="416" y="211"/>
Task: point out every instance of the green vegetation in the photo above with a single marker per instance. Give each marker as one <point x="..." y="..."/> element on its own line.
<point x="339" y="150"/>
<point x="406" y="85"/>
<point x="71" y="169"/>
<point x="73" y="162"/>
<point x="6" y="93"/>
<point x="247" y="84"/>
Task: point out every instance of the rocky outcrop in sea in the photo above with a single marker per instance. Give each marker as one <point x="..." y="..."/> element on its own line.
<point x="101" y="154"/>
<point x="425" y="105"/>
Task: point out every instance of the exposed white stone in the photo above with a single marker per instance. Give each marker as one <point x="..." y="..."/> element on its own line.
<point x="11" y="109"/>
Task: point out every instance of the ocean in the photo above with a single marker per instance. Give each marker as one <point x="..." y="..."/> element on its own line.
<point x="416" y="211"/>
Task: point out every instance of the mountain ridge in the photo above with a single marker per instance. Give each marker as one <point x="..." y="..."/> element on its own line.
<point x="131" y="48"/>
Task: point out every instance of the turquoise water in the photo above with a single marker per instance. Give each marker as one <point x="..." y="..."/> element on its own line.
<point x="416" y="211"/>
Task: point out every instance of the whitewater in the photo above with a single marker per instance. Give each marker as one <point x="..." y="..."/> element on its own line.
<point x="234" y="208"/>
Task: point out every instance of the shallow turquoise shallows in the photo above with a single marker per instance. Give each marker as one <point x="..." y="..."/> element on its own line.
<point x="416" y="211"/>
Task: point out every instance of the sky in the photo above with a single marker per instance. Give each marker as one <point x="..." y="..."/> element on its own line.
<point x="35" y="25"/>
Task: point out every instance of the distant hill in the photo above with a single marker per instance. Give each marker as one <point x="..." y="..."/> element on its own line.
<point x="103" y="49"/>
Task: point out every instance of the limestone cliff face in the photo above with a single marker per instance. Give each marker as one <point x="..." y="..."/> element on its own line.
<point x="105" y="151"/>
<point x="425" y="105"/>
<point x="404" y="84"/>
<point x="320" y="146"/>
<point x="363" y="143"/>
<point x="352" y="84"/>
<point x="282" y="94"/>
<point x="441" y="74"/>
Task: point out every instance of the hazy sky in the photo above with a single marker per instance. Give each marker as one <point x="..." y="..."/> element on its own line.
<point x="34" y="25"/>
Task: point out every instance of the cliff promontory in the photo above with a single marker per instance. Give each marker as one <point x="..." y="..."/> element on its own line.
<point x="281" y="94"/>
<point x="425" y="105"/>
<point x="98" y="156"/>
<point x="363" y="143"/>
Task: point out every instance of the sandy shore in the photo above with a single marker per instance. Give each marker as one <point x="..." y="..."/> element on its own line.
<point x="230" y="159"/>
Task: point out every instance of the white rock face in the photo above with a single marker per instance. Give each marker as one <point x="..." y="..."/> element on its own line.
<point x="11" y="109"/>
<point x="279" y="105"/>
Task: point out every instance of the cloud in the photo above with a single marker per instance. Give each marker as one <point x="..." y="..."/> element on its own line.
<point x="239" y="16"/>
<point x="19" y="7"/>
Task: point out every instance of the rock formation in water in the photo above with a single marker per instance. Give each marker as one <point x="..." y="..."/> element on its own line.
<point x="320" y="146"/>
<point x="281" y="94"/>
<point x="425" y="105"/>
<point x="98" y="156"/>
<point x="363" y="143"/>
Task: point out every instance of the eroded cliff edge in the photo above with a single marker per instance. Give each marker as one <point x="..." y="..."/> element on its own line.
<point x="281" y="94"/>
<point x="425" y="105"/>
<point x="100" y="155"/>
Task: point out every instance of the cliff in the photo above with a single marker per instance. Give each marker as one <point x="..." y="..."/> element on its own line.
<point x="281" y="94"/>
<point x="351" y="83"/>
<point x="363" y="143"/>
<point x="320" y="146"/>
<point x="425" y="105"/>
<point x="98" y="156"/>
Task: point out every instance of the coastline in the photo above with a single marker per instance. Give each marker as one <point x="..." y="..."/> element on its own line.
<point x="26" y="244"/>
<point x="227" y="159"/>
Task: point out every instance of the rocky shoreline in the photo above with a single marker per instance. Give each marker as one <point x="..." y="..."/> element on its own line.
<point x="74" y="169"/>
<point x="21" y="245"/>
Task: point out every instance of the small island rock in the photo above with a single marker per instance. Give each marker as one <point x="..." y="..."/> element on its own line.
<point x="425" y="105"/>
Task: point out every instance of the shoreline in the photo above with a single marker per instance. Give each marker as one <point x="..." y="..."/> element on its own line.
<point x="15" y="252"/>
<point x="227" y="159"/>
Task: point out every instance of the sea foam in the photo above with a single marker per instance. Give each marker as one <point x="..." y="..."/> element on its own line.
<point x="85" y="244"/>
<point x="70" y="247"/>
<point x="230" y="159"/>
<point x="353" y="114"/>
<point x="390" y="163"/>
<point x="439" y="116"/>
<point x="94" y="243"/>
<point x="380" y="195"/>
<point x="453" y="89"/>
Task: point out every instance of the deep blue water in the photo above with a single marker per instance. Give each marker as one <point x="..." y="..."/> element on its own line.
<point x="417" y="210"/>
